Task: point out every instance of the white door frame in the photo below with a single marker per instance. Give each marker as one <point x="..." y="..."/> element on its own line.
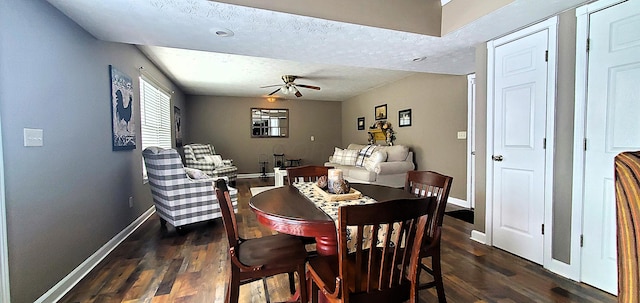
<point x="4" y="253"/>
<point x="582" y="66"/>
<point x="471" y="144"/>
<point x="551" y="24"/>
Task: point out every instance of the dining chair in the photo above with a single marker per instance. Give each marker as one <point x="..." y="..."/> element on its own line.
<point x="431" y="184"/>
<point x="382" y="272"/>
<point x="258" y="258"/>
<point x="306" y="173"/>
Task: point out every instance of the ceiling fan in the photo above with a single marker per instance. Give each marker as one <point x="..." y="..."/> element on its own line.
<point x="289" y="86"/>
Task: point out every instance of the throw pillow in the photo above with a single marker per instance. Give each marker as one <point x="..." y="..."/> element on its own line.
<point x="195" y="174"/>
<point x="349" y="157"/>
<point x="364" y="153"/>
<point x="376" y="157"/>
<point x="338" y="155"/>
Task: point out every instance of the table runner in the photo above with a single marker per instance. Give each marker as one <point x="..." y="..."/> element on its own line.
<point x="331" y="208"/>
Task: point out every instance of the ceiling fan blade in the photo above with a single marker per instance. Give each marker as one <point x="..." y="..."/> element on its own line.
<point x="308" y="86"/>
<point x="270" y="85"/>
<point x="275" y="91"/>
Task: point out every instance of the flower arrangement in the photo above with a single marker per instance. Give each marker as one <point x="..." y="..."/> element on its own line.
<point x="386" y="128"/>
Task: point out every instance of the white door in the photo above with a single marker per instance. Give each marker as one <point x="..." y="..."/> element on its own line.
<point x="612" y="126"/>
<point x="471" y="140"/>
<point x="520" y="97"/>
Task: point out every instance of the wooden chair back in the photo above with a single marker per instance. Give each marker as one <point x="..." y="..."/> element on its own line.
<point x="431" y="184"/>
<point x="382" y="273"/>
<point x="228" y="216"/>
<point x="307" y="173"/>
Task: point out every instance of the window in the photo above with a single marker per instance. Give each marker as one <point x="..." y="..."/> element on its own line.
<point x="155" y="117"/>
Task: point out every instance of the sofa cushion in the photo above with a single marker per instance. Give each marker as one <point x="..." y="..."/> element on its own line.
<point x="396" y="153"/>
<point x="362" y="174"/>
<point x="344" y="156"/>
<point x="375" y="158"/>
<point x="195" y="174"/>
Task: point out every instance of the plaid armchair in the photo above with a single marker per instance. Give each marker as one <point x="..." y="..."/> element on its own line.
<point x="204" y="157"/>
<point x="179" y="198"/>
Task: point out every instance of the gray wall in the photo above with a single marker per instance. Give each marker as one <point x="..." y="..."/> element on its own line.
<point x="225" y="123"/>
<point x="565" y="104"/>
<point x="68" y="198"/>
<point x="438" y="106"/>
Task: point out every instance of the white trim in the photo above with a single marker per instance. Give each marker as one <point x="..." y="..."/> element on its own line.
<point x="478" y="236"/>
<point x="458" y="202"/>
<point x="551" y="26"/>
<point x="253" y="175"/>
<point x="471" y="139"/>
<point x="67" y="283"/>
<point x="579" y="128"/>
<point x="4" y="248"/>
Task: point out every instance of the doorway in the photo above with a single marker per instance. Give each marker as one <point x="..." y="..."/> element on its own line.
<point x="520" y="140"/>
<point x="606" y="123"/>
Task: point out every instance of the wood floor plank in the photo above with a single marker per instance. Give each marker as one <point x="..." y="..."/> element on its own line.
<point x="159" y="266"/>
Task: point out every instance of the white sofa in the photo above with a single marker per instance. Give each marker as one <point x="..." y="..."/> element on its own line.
<point x="384" y="165"/>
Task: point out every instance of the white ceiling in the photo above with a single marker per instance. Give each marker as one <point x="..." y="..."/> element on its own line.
<point x="344" y="59"/>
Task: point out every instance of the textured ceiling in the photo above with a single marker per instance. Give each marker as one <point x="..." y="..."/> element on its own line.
<point x="344" y="59"/>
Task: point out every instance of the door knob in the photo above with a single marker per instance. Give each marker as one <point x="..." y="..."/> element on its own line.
<point x="497" y="158"/>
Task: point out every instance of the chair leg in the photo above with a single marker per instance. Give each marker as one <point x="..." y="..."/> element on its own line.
<point x="292" y="283"/>
<point x="314" y="291"/>
<point x="233" y="290"/>
<point x="302" y="284"/>
<point x="163" y="224"/>
<point x="266" y="289"/>
<point x="437" y="276"/>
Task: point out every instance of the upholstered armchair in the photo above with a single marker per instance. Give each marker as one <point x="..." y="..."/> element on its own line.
<point x="204" y="157"/>
<point x="181" y="195"/>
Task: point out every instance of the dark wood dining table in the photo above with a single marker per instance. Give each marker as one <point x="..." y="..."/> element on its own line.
<point x="286" y="210"/>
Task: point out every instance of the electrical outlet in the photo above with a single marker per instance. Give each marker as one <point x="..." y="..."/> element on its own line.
<point x="130" y="202"/>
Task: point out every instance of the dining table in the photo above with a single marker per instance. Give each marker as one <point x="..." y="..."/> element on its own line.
<point x="289" y="209"/>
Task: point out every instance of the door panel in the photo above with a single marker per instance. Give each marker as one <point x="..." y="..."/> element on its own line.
<point x="519" y="129"/>
<point x="612" y="124"/>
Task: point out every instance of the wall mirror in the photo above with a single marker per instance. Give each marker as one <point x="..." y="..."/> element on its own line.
<point x="269" y="122"/>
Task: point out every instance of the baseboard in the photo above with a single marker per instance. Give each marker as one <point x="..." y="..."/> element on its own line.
<point x="61" y="288"/>
<point x="479" y="237"/>
<point x="255" y="175"/>
<point x="458" y="202"/>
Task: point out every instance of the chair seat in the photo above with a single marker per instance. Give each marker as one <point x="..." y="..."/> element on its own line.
<point x="272" y="251"/>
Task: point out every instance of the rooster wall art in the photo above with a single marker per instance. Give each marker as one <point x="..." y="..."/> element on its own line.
<point x="124" y="130"/>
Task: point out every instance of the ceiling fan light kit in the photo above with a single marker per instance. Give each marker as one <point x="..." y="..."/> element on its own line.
<point x="290" y="87"/>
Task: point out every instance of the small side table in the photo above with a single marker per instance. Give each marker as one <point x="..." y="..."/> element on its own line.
<point x="279" y="174"/>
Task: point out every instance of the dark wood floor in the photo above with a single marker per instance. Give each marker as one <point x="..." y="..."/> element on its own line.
<point x="156" y="266"/>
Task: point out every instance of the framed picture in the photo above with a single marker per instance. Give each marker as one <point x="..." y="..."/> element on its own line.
<point x="381" y="112"/>
<point x="360" y="123"/>
<point x="176" y="123"/>
<point x="404" y="118"/>
<point x="123" y="128"/>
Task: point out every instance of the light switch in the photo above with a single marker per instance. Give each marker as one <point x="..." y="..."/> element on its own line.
<point x="33" y="137"/>
<point x="462" y="135"/>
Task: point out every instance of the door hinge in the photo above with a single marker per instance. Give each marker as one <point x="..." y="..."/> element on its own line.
<point x="581" y="241"/>
<point x="546" y="56"/>
<point x="588" y="44"/>
<point x="544" y="143"/>
<point x="585" y="144"/>
<point x="543" y="229"/>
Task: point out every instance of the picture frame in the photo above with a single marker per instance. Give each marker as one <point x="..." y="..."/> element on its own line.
<point x="404" y="118"/>
<point x="177" y="121"/>
<point x="381" y="112"/>
<point x="360" y="123"/>
<point x="123" y="127"/>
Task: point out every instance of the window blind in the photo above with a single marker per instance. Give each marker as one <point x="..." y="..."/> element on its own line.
<point x="155" y="117"/>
